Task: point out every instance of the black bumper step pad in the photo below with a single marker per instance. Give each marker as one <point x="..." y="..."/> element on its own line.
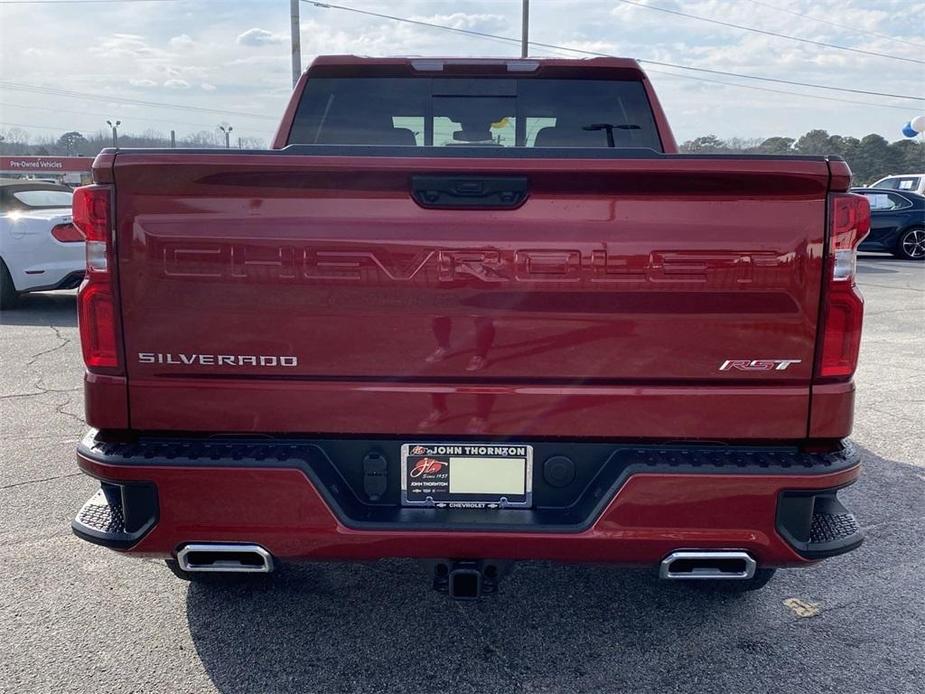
<point x="816" y="523"/>
<point x="299" y="452"/>
<point x="99" y="515"/>
<point x="832" y="527"/>
<point x="118" y="515"/>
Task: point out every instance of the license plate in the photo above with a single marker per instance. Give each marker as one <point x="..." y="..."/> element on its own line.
<point x="467" y="475"/>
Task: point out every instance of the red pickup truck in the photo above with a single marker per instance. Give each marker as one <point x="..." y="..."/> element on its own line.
<point x="471" y="311"/>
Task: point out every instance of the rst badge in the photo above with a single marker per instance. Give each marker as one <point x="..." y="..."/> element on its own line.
<point x="758" y="364"/>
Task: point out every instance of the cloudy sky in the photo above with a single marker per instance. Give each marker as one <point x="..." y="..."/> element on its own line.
<point x="200" y="62"/>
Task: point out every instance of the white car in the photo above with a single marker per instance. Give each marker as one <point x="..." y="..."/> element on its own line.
<point x="40" y="249"/>
<point x="906" y="183"/>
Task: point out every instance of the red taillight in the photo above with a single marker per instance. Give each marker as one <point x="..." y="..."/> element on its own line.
<point x="843" y="305"/>
<point x="96" y="306"/>
<point x="66" y="233"/>
<point x="91" y="215"/>
<point x="97" y="320"/>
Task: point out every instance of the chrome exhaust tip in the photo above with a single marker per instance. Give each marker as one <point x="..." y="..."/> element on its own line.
<point x="687" y="565"/>
<point x="225" y="558"/>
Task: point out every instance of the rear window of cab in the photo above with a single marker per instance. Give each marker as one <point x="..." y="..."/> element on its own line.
<point x="474" y="112"/>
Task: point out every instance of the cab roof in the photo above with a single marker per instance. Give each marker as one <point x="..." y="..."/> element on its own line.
<point x="412" y="65"/>
<point x="350" y="59"/>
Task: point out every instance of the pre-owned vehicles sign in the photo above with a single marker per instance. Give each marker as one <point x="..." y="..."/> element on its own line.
<point x="29" y="164"/>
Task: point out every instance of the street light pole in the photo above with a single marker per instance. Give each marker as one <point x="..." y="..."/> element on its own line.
<point x="115" y="132"/>
<point x="296" y="41"/>
<point x="525" y="29"/>
<point x="227" y="132"/>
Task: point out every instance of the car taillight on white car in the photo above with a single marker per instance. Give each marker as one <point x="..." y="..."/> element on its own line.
<point x="842" y="302"/>
<point x="67" y="233"/>
<point x="96" y="306"/>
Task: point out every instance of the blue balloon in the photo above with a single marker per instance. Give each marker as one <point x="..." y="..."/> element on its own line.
<point x="909" y="131"/>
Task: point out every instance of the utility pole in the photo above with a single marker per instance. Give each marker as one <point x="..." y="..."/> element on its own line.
<point x="115" y="132"/>
<point x="227" y="131"/>
<point x="296" y="41"/>
<point x="173" y="139"/>
<point x="525" y="29"/>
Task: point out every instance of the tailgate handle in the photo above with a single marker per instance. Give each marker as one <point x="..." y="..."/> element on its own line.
<point x="493" y="192"/>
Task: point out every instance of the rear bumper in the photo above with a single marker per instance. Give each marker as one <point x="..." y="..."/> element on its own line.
<point x="301" y="500"/>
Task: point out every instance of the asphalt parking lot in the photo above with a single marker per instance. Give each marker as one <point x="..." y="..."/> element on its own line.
<point x="75" y="617"/>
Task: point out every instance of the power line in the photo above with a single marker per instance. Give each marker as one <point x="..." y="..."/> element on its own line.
<point x="38" y="127"/>
<point x="75" y="2"/>
<point x="777" y="80"/>
<point x="511" y="39"/>
<point x="766" y="32"/>
<point x="904" y="109"/>
<point x="846" y="27"/>
<point x="418" y="22"/>
<point x="92" y="113"/>
<point x="65" y="130"/>
<point x="22" y="87"/>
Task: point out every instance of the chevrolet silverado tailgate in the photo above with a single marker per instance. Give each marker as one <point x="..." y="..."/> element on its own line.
<point x="608" y="296"/>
